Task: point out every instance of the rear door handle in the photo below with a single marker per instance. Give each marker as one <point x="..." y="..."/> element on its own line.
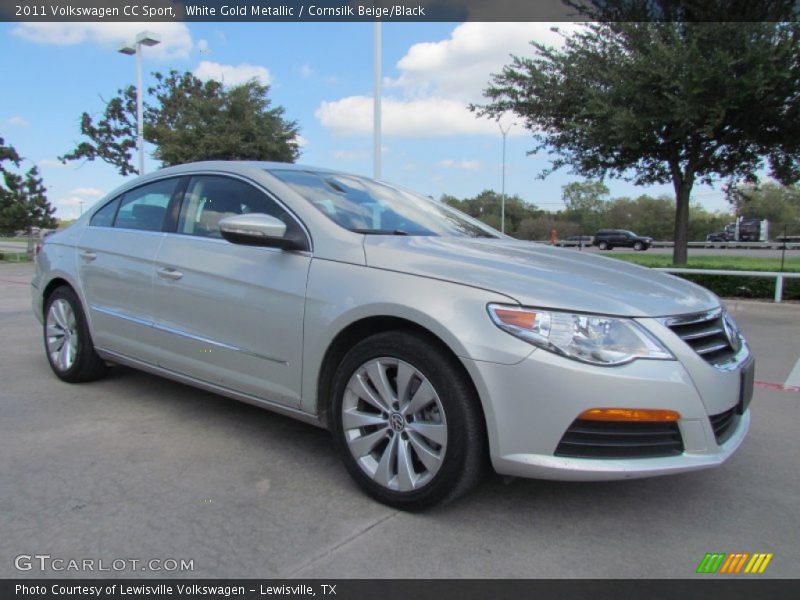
<point x="88" y="255"/>
<point x="169" y="273"/>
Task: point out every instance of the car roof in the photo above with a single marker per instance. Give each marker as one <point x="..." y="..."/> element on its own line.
<point x="236" y="165"/>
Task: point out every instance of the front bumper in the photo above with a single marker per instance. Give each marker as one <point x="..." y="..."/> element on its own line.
<point x="529" y="407"/>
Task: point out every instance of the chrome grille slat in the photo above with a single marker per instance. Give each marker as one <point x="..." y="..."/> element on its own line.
<point x="705" y="334"/>
<point x="694" y="319"/>
<point x="711" y="348"/>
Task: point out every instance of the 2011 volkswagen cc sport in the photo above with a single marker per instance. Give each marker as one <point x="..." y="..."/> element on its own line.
<point x="424" y="340"/>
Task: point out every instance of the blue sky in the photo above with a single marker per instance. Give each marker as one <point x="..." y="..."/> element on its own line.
<point x="321" y="73"/>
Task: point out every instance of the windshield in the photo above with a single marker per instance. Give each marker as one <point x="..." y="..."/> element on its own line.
<point x="367" y="206"/>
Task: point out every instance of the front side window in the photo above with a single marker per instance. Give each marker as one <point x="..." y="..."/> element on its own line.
<point x="211" y="198"/>
<point x="145" y="207"/>
<point x="105" y="216"/>
<point x="367" y="206"/>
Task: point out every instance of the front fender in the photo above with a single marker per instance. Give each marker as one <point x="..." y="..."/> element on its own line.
<point x="339" y="295"/>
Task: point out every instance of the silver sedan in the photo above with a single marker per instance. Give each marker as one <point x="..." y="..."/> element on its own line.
<point x="429" y="344"/>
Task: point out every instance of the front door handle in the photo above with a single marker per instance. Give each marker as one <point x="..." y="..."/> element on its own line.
<point x="169" y="273"/>
<point x="88" y="255"/>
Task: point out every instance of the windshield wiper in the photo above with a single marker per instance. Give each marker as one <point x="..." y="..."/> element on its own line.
<point x="380" y="231"/>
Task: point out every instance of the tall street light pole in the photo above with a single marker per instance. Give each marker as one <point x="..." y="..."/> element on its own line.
<point x="504" y="133"/>
<point x="145" y="38"/>
<point x="376" y="103"/>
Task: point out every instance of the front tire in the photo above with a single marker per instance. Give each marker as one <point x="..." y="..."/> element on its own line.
<point x="67" y="341"/>
<point x="639" y="246"/>
<point x="406" y="421"/>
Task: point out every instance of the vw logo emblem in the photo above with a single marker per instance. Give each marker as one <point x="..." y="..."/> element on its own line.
<point x="732" y="333"/>
<point x="397" y="422"/>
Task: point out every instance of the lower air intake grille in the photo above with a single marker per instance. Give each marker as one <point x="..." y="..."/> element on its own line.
<point x="724" y="424"/>
<point x="609" y="439"/>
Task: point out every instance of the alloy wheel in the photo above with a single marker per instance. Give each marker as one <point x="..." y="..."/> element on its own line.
<point x="394" y="424"/>
<point x="62" y="335"/>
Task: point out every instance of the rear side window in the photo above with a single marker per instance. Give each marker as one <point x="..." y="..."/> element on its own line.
<point x="145" y="208"/>
<point x="211" y="198"/>
<point x="105" y="216"/>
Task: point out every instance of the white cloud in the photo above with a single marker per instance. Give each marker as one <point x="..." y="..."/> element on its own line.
<point x="79" y="199"/>
<point x="49" y="163"/>
<point x="306" y="71"/>
<point x="176" y="41"/>
<point x="350" y="154"/>
<point x="87" y="192"/>
<point x="202" y="46"/>
<point x="438" y="79"/>
<point x="460" y="66"/>
<point x="232" y="75"/>
<point x="70" y="201"/>
<point x="466" y="165"/>
<point x="408" y="118"/>
<point x="301" y="141"/>
<point x="71" y="207"/>
<point x="17" y="121"/>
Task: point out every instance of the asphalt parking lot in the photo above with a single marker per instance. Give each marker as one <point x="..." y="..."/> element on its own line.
<point x="137" y="467"/>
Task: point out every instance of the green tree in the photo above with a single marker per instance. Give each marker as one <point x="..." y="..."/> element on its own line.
<point x="538" y="228"/>
<point x="23" y="197"/>
<point x="585" y="202"/>
<point x="776" y="203"/>
<point x="668" y="102"/>
<point x="188" y="120"/>
<point x="703" y="222"/>
<point x="486" y="206"/>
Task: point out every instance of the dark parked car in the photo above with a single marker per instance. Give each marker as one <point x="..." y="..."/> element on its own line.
<point x="720" y="236"/>
<point x="576" y="240"/>
<point x="606" y="239"/>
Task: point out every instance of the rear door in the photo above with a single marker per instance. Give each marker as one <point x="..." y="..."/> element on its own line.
<point x="229" y="314"/>
<point x="115" y="266"/>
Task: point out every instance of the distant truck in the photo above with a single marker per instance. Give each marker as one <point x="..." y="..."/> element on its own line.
<point x="743" y="230"/>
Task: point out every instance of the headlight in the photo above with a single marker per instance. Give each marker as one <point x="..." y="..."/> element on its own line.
<point x="593" y="339"/>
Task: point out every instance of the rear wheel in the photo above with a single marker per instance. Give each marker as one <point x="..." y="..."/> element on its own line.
<point x="67" y="341"/>
<point x="603" y="246"/>
<point x="406" y="422"/>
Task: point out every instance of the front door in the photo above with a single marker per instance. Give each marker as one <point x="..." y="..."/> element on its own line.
<point x="229" y="314"/>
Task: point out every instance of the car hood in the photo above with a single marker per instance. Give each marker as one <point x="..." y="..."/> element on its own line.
<point x="541" y="276"/>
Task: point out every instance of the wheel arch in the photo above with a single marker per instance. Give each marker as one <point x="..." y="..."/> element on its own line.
<point x="57" y="280"/>
<point x="53" y="284"/>
<point x="371" y="325"/>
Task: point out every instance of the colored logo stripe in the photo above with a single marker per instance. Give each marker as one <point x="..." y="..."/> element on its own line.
<point x="758" y="564"/>
<point x="711" y="563"/>
<point x="720" y="562"/>
<point x="734" y="563"/>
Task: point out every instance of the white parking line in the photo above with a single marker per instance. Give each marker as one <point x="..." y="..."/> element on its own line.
<point x="794" y="377"/>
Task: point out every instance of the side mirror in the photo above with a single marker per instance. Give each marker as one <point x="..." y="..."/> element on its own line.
<point x="256" y="229"/>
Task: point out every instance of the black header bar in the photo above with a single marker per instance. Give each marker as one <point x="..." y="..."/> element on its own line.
<point x="397" y="10"/>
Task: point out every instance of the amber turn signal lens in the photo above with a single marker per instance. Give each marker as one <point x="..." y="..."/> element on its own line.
<point x="516" y="318"/>
<point x="628" y="414"/>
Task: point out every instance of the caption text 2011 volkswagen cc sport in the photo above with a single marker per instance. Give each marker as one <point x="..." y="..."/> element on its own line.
<point x="427" y="342"/>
